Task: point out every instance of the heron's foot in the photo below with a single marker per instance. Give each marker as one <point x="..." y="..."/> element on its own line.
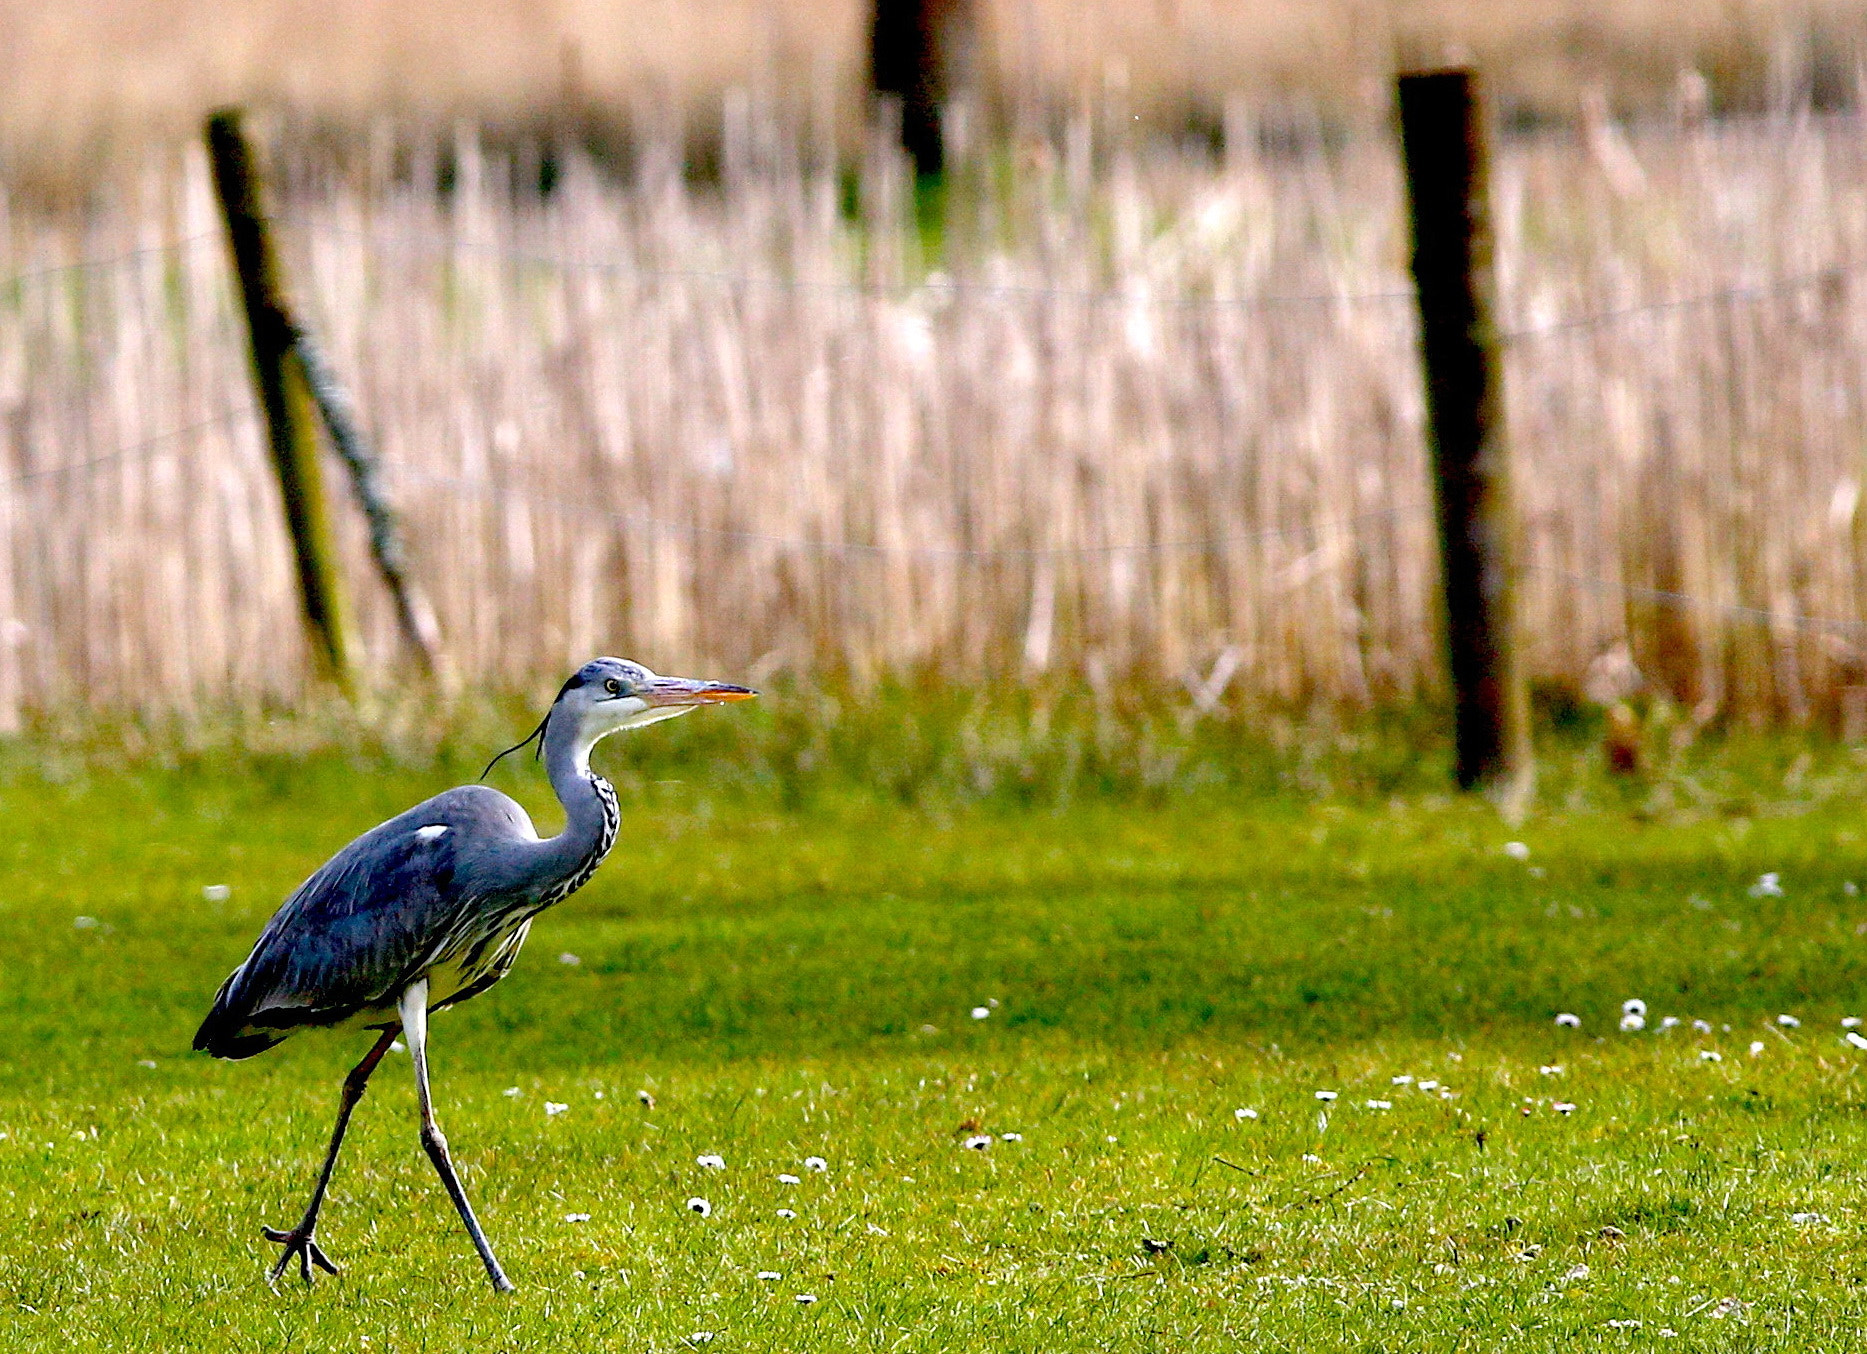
<point x="300" y="1242"/>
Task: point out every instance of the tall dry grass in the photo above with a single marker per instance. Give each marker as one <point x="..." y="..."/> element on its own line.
<point x="1152" y="417"/>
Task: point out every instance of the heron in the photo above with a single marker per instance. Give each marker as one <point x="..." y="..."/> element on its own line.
<point x="430" y="909"/>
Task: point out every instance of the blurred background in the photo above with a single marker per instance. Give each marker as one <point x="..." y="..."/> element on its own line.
<point x="669" y="347"/>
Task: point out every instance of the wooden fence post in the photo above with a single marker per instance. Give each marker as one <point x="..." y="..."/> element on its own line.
<point x="285" y="394"/>
<point x="1443" y="139"/>
<point x="919" y="53"/>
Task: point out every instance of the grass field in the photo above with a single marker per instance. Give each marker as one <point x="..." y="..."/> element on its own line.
<point x="793" y="978"/>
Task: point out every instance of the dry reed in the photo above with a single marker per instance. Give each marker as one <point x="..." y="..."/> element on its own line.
<point x="1151" y="417"/>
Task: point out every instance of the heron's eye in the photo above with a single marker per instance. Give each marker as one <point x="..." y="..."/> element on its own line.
<point x="613" y="686"/>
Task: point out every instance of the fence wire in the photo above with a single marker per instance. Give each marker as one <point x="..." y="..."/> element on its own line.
<point x="104" y="262"/>
<point x="1627" y="592"/>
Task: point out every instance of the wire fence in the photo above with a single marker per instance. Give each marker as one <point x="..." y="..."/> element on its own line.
<point x="486" y="490"/>
<point x="445" y="245"/>
<point x="469" y="404"/>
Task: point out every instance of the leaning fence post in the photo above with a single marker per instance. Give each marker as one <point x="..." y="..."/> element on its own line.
<point x="1443" y="140"/>
<point x="285" y="394"/>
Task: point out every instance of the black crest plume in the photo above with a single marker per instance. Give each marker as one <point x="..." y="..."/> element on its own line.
<point x="538" y="733"/>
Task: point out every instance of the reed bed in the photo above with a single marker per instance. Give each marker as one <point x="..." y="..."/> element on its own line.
<point x="1135" y="415"/>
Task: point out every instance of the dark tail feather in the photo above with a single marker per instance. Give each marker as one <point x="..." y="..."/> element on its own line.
<point x="225" y="1033"/>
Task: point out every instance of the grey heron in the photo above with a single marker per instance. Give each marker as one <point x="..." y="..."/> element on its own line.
<point x="429" y="909"/>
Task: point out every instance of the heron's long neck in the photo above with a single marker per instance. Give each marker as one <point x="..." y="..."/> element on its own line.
<point x="590" y="813"/>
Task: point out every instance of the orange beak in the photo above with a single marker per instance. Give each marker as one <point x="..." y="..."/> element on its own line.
<point x="687" y="691"/>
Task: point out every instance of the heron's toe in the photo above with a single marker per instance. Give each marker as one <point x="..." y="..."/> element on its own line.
<point x="304" y="1248"/>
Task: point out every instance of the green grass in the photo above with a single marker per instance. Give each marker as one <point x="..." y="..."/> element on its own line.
<point x="789" y="969"/>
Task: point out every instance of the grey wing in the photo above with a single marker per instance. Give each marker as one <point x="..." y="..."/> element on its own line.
<point x="355" y="933"/>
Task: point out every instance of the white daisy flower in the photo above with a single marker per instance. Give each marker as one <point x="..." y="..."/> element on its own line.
<point x="1569" y="1020"/>
<point x="713" y="1161"/>
<point x="1564" y="1107"/>
<point x="1806" y="1219"/>
<point x="1634" y="1006"/>
<point x="1011" y="1137"/>
<point x="1850" y="1022"/>
<point x="1516" y="850"/>
<point x="1767" y="886"/>
<point x="1631" y="1023"/>
<point x="510" y="1093"/>
<point x="1325" y="1095"/>
<point x="576" y="1217"/>
<point x="1380" y="1104"/>
<point x="981" y="1012"/>
<point x="769" y="1276"/>
<point x="1243" y="1114"/>
<point x="1311" y="1156"/>
<point x="1667" y="1022"/>
<point x="816" y="1164"/>
<point x="1854" y="1038"/>
<point x="805" y="1299"/>
<point x="786" y="1178"/>
<point x="1756" y="1047"/>
<point x="978" y="1142"/>
<point x="1429" y="1085"/>
<point x="700" y="1206"/>
<point x="1550" y="1069"/>
<point x="1788" y="1022"/>
<point x="1702" y="1026"/>
<point x="553" y="1107"/>
<point x="1710" y="1055"/>
<point x="787" y="1213"/>
<point x="645" y="1098"/>
<point x="1402" y="1080"/>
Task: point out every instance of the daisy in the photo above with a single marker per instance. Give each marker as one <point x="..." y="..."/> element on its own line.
<point x="1569" y="1020"/>
<point x="700" y="1206"/>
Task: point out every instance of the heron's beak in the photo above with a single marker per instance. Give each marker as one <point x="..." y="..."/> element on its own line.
<point x="684" y="691"/>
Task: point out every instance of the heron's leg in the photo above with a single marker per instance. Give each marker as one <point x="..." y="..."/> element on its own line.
<point x="415" y="1023"/>
<point x="300" y="1240"/>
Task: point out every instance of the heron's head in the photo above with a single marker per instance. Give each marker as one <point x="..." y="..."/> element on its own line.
<point x="607" y="695"/>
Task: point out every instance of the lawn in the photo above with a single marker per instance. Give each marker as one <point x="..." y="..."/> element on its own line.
<point x="1245" y="1067"/>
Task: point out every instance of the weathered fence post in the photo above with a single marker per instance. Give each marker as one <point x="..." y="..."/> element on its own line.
<point x="285" y="394"/>
<point x="1443" y="139"/>
<point x="920" y="51"/>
